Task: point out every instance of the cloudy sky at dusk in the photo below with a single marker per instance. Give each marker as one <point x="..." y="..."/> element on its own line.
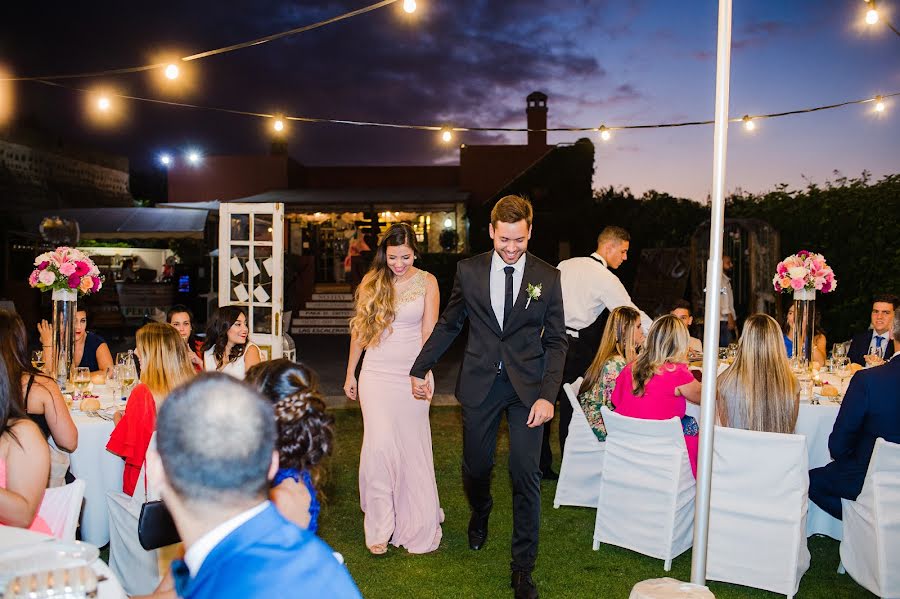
<point x="472" y="62"/>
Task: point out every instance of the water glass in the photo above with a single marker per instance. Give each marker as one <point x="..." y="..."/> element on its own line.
<point x="806" y="388"/>
<point x="81" y="380"/>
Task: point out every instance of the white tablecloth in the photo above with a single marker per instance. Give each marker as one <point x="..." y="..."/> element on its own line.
<point x="12" y="538"/>
<point x="99" y="469"/>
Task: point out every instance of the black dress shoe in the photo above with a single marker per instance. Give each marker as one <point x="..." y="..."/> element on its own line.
<point x="478" y="530"/>
<point x="549" y="474"/>
<point x="523" y="586"/>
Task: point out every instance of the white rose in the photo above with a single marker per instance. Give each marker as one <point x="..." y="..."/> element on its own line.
<point x="798" y="272"/>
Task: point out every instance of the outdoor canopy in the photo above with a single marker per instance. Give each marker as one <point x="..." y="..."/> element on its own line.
<point x="128" y="223"/>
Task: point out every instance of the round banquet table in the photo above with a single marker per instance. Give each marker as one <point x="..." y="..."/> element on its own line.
<point x="99" y="469"/>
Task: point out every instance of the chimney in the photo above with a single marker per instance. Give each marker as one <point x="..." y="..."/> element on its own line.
<point x="537" y="118"/>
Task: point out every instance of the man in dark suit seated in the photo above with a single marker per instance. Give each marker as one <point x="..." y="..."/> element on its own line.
<point x="871" y="409"/>
<point x="214" y="459"/>
<point x="879" y="336"/>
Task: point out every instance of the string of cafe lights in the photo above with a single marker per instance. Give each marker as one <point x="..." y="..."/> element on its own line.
<point x="172" y="70"/>
<point x="279" y="122"/>
<point x="874" y="16"/>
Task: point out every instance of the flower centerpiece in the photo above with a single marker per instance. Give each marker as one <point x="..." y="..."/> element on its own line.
<point x="66" y="272"/>
<point x="803" y="274"/>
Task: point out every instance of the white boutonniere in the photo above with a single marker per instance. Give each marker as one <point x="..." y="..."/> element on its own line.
<point x="534" y="292"/>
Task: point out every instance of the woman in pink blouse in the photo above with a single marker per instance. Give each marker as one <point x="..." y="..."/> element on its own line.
<point x="658" y="384"/>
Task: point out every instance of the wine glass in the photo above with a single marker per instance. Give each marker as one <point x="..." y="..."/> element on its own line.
<point x="82" y="380"/>
<point x="731" y="353"/>
<point x="122" y="358"/>
<point x="37" y="359"/>
<point x="114" y="381"/>
<point x="839" y="350"/>
<point x="128" y="375"/>
<point x="843" y="370"/>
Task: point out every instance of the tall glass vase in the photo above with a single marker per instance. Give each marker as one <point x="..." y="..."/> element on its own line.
<point x="804" y="324"/>
<point x="65" y="302"/>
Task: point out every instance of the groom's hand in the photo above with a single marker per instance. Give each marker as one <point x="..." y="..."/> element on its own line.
<point x="541" y="412"/>
<point x="419" y="387"/>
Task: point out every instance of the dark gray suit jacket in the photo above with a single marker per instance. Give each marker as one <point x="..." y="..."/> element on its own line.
<point x="532" y="347"/>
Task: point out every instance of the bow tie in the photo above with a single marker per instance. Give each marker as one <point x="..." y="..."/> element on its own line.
<point x="182" y="577"/>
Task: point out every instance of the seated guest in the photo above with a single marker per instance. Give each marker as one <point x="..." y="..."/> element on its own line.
<point x="24" y="461"/>
<point x="621" y="337"/>
<point x="182" y="319"/>
<point x="870" y="409"/>
<point x="227" y="347"/>
<point x="237" y="544"/>
<point x="305" y="436"/>
<point x="820" y="345"/>
<point x="758" y="392"/>
<point x="682" y="309"/>
<point x="879" y="336"/>
<point x="164" y="365"/>
<point x="42" y="398"/>
<point x="656" y="385"/>
<point x="91" y="350"/>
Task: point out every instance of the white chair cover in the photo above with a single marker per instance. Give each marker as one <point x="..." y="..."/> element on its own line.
<point x="136" y="568"/>
<point x="870" y="550"/>
<point x="60" y="509"/>
<point x="646" y="500"/>
<point x="582" y="461"/>
<point x="757" y="515"/>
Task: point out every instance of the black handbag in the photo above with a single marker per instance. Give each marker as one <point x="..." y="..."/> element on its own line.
<point x="155" y="525"/>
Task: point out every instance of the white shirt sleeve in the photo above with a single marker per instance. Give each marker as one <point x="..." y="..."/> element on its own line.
<point x="613" y="294"/>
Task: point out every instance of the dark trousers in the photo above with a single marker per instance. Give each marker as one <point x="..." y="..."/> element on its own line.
<point x="578" y="357"/>
<point x="828" y="484"/>
<point x="725" y="334"/>
<point x="480" y="426"/>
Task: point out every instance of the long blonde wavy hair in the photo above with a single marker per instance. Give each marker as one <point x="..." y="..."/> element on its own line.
<point x="375" y="301"/>
<point x="760" y="382"/>
<point x="667" y="343"/>
<point x="164" y="358"/>
<point x="618" y="340"/>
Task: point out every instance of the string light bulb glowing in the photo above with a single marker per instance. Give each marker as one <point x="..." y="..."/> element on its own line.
<point x="446" y="135"/>
<point x="409" y="6"/>
<point x="103" y="103"/>
<point x="871" y="16"/>
<point x="165" y="159"/>
<point x="879" y="104"/>
<point x="278" y="125"/>
<point x="605" y="133"/>
<point x="193" y="157"/>
<point x="172" y="71"/>
<point x="749" y="125"/>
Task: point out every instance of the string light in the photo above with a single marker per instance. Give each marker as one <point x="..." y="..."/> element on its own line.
<point x="409" y="6"/>
<point x="879" y="104"/>
<point x="278" y="125"/>
<point x="605" y="134"/>
<point x="172" y="71"/>
<point x="194" y="157"/>
<point x="446" y="135"/>
<point x="165" y="159"/>
<point x="103" y="104"/>
<point x="871" y="16"/>
<point x="749" y="125"/>
<point x="214" y="52"/>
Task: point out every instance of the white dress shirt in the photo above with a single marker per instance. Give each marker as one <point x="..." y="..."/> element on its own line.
<point x="498" y="283"/>
<point x="196" y="555"/>
<point x="589" y="288"/>
<point x="726" y="306"/>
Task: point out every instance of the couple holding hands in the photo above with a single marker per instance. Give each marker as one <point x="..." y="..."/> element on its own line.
<point x="513" y="364"/>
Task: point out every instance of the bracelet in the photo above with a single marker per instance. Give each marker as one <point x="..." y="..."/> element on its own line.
<point x="51" y="345"/>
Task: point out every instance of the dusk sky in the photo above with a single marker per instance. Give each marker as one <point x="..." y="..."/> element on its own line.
<point x="471" y="63"/>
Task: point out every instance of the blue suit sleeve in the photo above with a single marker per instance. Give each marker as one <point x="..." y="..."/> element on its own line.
<point x="847" y="427"/>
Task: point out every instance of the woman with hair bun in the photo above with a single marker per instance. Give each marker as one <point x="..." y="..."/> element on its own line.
<point x="305" y="436"/>
<point x="396" y="310"/>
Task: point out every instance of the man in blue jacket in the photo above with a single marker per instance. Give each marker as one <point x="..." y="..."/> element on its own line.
<point x="871" y="409"/>
<point x="215" y="456"/>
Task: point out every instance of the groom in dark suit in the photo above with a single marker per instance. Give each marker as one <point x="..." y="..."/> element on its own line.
<point x="513" y="364"/>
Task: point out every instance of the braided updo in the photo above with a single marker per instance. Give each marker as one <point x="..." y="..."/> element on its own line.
<point x="305" y="430"/>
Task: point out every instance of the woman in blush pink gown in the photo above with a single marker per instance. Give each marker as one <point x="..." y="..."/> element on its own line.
<point x="658" y="384"/>
<point x="396" y="309"/>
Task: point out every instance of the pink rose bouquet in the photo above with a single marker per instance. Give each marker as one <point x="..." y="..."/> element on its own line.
<point x="66" y="269"/>
<point x="804" y="270"/>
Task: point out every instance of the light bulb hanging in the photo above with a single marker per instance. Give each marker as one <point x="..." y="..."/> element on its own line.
<point x="409" y="6"/>
<point x="749" y="125"/>
<point x="605" y="133"/>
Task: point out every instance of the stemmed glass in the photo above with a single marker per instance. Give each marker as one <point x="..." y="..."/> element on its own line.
<point x="843" y="370"/>
<point x="114" y="381"/>
<point x="37" y="359"/>
<point x="127" y="375"/>
<point x="81" y="380"/>
<point x="839" y="350"/>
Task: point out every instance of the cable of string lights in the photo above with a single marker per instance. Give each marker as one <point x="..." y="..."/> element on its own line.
<point x="447" y="130"/>
<point x="874" y="16"/>
<point x="172" y="68"/>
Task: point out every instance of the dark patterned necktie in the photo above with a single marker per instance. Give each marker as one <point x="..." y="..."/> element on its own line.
<point x="508" y="298"/>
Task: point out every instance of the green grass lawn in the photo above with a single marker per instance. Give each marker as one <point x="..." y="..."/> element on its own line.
<point x="566" y="566"/>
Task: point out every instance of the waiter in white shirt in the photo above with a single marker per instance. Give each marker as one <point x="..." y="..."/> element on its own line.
<point x="728" y="316"/>
<point x="590" y="291"/>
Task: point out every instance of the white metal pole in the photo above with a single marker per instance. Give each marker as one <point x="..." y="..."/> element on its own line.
<point x="713" y="296"/>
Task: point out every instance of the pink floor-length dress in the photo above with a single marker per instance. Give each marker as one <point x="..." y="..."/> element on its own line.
<point x="397" y="488"/>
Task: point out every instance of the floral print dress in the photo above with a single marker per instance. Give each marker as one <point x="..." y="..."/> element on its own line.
<point x="599" y="395"/>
